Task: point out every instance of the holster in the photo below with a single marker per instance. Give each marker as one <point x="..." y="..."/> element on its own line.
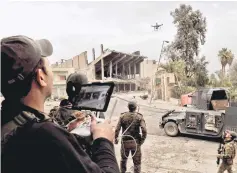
<point x="228" y="161"/>
<point x="129" y="144"/>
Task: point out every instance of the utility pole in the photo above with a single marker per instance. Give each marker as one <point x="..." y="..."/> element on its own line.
<point x="153" y="77"/>
<point x="161" y="51"/>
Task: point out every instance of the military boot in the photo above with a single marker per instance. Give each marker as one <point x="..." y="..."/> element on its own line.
<point x="137" y="168"/>
<point x="123" y="166"/>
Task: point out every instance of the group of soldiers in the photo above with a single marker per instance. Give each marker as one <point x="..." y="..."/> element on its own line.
<point x="131" y="122"/>
<point x="134" y="132"/>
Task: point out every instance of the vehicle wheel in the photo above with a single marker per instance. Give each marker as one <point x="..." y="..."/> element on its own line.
<point x="171" y="129"/>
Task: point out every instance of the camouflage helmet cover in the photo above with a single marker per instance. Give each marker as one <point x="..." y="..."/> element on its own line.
<point x="229" y="134"/>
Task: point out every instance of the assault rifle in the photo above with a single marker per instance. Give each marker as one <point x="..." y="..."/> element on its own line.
<point x="219" y="152"/>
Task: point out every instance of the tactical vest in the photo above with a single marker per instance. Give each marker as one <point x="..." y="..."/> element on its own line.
<point x="11" y="128"/>
<point x="229" y="160"/>
<point x="62" y="115"/>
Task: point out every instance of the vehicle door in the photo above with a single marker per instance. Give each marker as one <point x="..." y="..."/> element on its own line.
<point x="193" y="122"/>
<point x="213" y="123"/>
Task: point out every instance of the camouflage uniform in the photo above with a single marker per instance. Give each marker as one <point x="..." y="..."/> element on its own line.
<point x="128" y="143"/>
<point x="227" y="157"/>
<point x="61" y="115"/>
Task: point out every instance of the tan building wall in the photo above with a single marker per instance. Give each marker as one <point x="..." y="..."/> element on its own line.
<point x="76" y="61"/>
<point x="148" y="68"/>
<point x="59" y="81"/>
<point x="89" y="72"/>
<point x="80" y="61"/>
<point x="163" y="84"/>
<point x="67" y="64"/>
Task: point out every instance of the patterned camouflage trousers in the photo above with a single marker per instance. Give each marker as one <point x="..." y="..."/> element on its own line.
<point x="126" y="148"/>
<point x="224" y="167"/>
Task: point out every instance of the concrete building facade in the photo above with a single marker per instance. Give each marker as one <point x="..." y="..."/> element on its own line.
<point x="60" y="75"/>
<point x="163" y="83"/>
<point x="148" y="68"/>
<point x="122" y="68"/>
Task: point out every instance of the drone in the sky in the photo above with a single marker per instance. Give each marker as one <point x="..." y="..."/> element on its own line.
<point x="157" y="26"/>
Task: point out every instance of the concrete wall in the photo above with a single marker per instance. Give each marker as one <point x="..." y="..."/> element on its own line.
<point x="125" y="87"/>
<point x="163" y="89"/>
<point x="88" y="72"/>
<point x="59" y="91"/>
<point x="59" y="84"/>
<point x="148" y="68"/>
<point x="67" y="64"/>
<point x="80" y="61"/>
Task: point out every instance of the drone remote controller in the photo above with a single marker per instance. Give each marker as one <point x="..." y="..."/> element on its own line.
<point x="84" y="129"/>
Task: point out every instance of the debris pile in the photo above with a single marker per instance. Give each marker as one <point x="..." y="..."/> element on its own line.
<point x="144" y="97"/>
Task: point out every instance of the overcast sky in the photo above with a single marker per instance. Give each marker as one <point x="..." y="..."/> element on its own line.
<point x="74" y="27"/>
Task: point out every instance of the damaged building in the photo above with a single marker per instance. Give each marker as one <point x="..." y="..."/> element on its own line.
<point x="124" y="69"/>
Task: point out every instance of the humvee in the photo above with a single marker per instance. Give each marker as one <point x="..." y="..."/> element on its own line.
<point x="208" y="115"/>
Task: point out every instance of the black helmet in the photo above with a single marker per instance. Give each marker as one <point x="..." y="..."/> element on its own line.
<point x="65" y="103"/>
<point x="132" y="105"/>
<point x="74" y="81"/>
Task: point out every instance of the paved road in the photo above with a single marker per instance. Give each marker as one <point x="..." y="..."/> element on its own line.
<point x="163" y="154"/>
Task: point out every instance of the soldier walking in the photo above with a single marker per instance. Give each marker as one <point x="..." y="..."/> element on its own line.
<point x="228" y="152"/>
<point x="131" y="122"/>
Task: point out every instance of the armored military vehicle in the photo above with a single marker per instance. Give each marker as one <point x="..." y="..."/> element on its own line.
<point x="208" y="115"/>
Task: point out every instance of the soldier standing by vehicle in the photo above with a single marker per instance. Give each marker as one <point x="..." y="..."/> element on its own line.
<point x="228" y="152"/>
<point x="131" y="122"/>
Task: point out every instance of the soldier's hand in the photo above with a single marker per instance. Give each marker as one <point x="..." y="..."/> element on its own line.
<point x="101" y="130"/>
<point x="218" y="156"/>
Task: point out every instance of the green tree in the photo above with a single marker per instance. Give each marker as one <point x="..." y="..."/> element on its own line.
<point x="176" y="67"/>
<point x="191" y="32"/>
<point x="213" y="81"/>
<point x="200" y="72"/>
<point x="224" y="81"/>
<point x="233" y="80"/>
<point x="172" y="53"/>
<point x="219" y="74"/>
<point x="233" y="74"/>
<point x="226" y="57"/>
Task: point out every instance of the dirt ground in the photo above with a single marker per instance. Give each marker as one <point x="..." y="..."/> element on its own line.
<point x="161" y="153"/>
